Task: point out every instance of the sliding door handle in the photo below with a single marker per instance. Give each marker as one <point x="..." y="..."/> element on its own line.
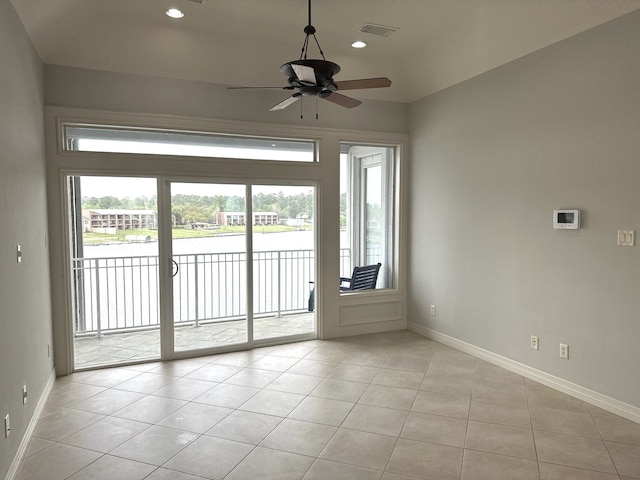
<point x="175" y="268"/>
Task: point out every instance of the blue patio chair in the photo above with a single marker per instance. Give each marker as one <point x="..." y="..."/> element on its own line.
<point x="362" y="278"/>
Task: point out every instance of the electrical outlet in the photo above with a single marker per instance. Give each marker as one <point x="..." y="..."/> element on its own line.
<point x="534" y="342"/>
<point x="7" y="426"/>
<point x="564" y="350"/>
<point x="433" y="310"/>
<point x="24" y="394"/>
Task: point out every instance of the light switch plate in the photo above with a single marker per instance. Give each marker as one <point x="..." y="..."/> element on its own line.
<point x="626" y="238"/>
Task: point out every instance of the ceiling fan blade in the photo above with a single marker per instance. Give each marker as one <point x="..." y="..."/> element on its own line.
<point x="342" y="100"/>
<point x="305" y="74"/>
<point x="248" y="88"/>
<point x="286" y="102"/>
<point x="380" y="82"/>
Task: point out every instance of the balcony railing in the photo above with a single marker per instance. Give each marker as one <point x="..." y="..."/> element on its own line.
<point x="122" y="293"/>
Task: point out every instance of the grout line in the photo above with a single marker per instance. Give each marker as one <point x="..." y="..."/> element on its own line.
<point x="535" y="443"/>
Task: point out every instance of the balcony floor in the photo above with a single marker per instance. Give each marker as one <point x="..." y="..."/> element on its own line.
<point x="115" y="348"/>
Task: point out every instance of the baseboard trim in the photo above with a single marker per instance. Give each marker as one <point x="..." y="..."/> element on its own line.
<point x="594" y="398"/>
<point x="24" y="443"/>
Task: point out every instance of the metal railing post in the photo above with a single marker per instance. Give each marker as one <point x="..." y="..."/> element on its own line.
<point x="279" y="314"/>
<point x="195" y="269"/>
<point x="99" y="326"/>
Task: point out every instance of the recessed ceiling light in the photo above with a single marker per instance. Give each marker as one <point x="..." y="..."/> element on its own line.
<point x="174" y="13"/>
<point x="358" y="44"/>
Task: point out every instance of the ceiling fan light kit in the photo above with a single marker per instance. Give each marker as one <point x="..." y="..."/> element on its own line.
<point x="314" y="77"/>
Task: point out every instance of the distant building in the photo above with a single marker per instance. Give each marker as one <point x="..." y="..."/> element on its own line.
<point x="109" y="220"/>
<point x="238" y="218"/>
<point x="265" y="218"/>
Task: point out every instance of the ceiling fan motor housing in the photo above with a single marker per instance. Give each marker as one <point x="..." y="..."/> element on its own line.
<point x="324" y="71"/>
<point x="313" y="91"/>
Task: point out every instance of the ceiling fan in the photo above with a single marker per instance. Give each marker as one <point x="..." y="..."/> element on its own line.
<point x="314" y="77"/>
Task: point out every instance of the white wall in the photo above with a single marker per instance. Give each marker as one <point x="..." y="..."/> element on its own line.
<point x="76" y="87"/>
<point x="25" y="312"/>
<point x="491" y="159"/>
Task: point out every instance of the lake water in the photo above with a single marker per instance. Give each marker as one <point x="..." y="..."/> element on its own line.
<point x="297" y="240"/>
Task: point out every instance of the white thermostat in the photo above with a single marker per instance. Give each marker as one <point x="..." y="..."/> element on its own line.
<point x="569" y="219"/>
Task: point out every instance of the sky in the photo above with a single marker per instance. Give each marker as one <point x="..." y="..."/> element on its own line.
<point x="123" y="187"/>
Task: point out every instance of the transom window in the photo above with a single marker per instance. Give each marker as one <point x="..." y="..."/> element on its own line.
<point x="106" y="139"/>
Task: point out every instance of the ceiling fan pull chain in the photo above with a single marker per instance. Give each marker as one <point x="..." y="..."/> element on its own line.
<point x="316" y="107"/>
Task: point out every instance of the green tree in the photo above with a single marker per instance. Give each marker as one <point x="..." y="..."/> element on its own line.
<point x="195" y="214"/>
<point x="177" y="214"/>
<point x="90" y="202"/>
<point x="343" y="204"/>
<point x="235" y="204"/>
<point x="109" y="202"/>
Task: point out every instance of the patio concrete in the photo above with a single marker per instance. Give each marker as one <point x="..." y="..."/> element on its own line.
<point x="115" y="348"/>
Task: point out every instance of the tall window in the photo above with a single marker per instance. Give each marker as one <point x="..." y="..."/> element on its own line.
<point x="367" y="207"/>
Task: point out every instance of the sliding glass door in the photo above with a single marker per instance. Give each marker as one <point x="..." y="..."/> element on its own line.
<point x="283" y="261"/>
<point x="209" y="265"/>
<point x="242" y="272"/>
<point x="222" y="295"/>
<point x="114" y="269"/>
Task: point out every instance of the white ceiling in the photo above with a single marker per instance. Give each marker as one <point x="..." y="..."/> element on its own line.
<point x="243" y="42"/>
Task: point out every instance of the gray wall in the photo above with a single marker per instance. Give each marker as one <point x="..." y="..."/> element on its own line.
<point x="25" y="313"/>
<point x="76" y="87"/>
<point x="491" y="159"/>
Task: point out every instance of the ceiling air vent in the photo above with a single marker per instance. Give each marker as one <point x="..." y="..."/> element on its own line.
<point x="197" y="1"/>
<point x="380" y="30"/>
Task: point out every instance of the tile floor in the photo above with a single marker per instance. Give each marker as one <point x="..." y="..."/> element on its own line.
<point x="392" y="406"/>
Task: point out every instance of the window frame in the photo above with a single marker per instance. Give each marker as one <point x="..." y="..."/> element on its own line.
<point x="356" y="205"/>
<point x="228" y="141"/>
